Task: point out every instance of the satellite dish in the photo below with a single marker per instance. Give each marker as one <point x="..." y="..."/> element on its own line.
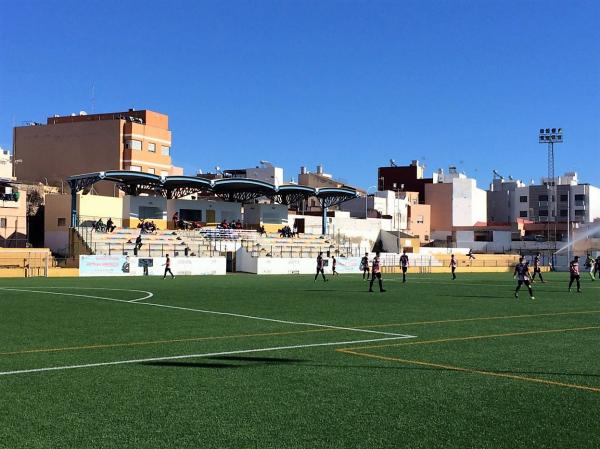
<point x="393" y="163"/>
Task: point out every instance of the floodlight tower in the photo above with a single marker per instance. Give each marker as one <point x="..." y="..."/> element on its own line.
<point x="550" y="136"/>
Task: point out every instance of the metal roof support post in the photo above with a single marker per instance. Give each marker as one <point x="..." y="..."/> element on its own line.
<point x="73" y="207"/>
<point x="324" y="221"/>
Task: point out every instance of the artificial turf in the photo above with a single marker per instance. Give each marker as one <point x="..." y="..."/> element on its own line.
<point x="484" y="370"/>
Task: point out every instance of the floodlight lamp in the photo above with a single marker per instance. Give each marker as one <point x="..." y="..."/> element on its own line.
<point x="560" y="130"/>
<point x="541" y="130"/>
<point x="547" y="130"/>
<point x="553" y="130"/>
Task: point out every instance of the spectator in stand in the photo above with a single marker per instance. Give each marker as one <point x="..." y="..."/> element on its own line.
<point x="238" y="224"/>
<point x="110" y="226"/>
<point x="261" y="231"/>
<point x="138" y="242"/>
<point x="99" y="226"/>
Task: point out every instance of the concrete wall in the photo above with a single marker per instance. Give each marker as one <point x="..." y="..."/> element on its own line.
<point x="57" y="219"/>
<point x="469" y="203"/>
<point x="439" y="197"/>
<point x="258" y="214"/>
<point x="55" y="152"/>
<point x="222" y="210"/>
<point x="419" y="221"/>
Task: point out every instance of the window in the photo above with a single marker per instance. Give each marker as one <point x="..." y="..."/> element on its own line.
<point x="564" y="197"/>
<point x="564" y="212"/>
<point x="580" y="212"/>
<point x="523" y="198"/>
<point x="150" y="213"/>
<point x="543" y="198"/>
<point x="2" y="223"/>
<point x="523" y="213"/>
<point x="135" y="168"/>
<point x="165" y="150"/>
<point x="133" y="145"/>
<point x="61" y="222"/>
<point x="151" y="147"/>
<point x="579" y="197"/>
<point x="151" y="171"/>
<point x="543" y="213"/>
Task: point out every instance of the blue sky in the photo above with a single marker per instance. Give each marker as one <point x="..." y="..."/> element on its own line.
<point x="349" y="84"/>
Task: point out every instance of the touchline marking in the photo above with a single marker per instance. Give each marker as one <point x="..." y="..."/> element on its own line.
<point x="470" y="370"/>
<point x="192" y="356"/>
<point x="213" y="312"/>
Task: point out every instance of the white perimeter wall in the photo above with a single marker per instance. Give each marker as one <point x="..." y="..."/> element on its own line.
<point x="98" y="265"/>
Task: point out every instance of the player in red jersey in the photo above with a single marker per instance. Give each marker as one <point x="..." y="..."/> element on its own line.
<point x="376" y="273"/>
<point x="574" y="270"/>
<point x="537" y="268"/>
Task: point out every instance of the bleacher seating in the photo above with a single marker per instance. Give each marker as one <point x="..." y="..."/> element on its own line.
<point x="205" y="242"/>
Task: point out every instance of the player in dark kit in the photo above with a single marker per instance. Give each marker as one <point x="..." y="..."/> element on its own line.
<point x="364" y="266"/>
<point x="320" y="265"/>
<point x="536" y="268"/>
<point x="333" y="266"/>
<point x="522" y="275"/>
<point x="453" y="265"/>
<point x="597" y="266"/>
<point x="376" y="273"/>
<point x="167" y="265"/>
<point x="404" y="264"/>
<point x="574" y="269"/>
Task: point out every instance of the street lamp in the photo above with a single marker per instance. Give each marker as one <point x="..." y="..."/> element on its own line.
<point x="367" y="201"/>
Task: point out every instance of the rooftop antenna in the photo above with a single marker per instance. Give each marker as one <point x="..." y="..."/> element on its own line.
<point x="93" y="98"/>
<point x="393" y="163"/>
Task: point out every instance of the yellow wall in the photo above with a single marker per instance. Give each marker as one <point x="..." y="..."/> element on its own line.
<point x="100" y="207"/>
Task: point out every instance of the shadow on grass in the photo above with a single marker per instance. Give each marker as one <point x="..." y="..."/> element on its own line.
<point x="174" y="364"/>
<point x="253" y="361"/>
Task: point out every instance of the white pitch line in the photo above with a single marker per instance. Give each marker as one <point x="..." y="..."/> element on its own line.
<point x="148" y="294"/>
<point x="192" y="356"/>
<point x="214" y="312"/>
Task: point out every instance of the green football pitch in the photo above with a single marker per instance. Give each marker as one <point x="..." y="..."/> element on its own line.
<point x="244" y="361"/>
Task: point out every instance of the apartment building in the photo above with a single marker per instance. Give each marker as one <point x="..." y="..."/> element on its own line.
<point x="82" y="143"/>
<point x="455" y="201"/>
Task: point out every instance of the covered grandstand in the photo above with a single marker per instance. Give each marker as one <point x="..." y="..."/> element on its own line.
<point x="242" y="190"/>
